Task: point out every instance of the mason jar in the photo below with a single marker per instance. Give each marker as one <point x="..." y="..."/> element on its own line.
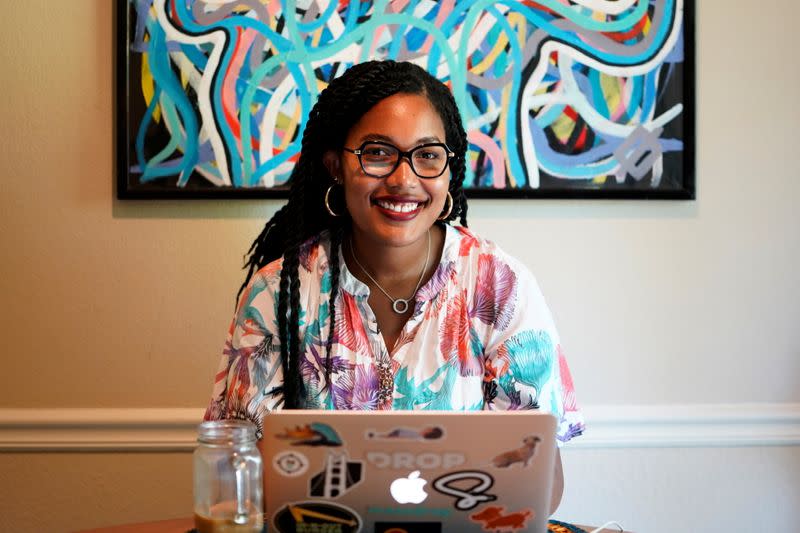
<point x="228" y="494"/>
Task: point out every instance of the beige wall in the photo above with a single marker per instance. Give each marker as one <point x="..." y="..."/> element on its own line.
<point x="125" y="304"/>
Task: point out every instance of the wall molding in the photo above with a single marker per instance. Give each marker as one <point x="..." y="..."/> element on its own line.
<point x="608" y="426"/>
<point x="691" y="425"/>
<point x="113" y="429"/>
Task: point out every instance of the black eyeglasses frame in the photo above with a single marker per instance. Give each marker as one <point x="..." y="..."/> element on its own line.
<point x="400" y="156"/>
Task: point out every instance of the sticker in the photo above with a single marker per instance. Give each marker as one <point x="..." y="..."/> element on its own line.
<point x="314" y="434"/>
<point x="523" y="454"/>
<point x="411" y="512"/>
<point x="408" y="527"/>
<point x="466" y="497"/>
<point x="493" y="519"/>
<point x="415" y="461"/>
<point x="403" y="433"/>
<point x="316" y="517"/>
<point x="337" y="477"/>
<point x="409" y="489"/>
<point x="290" y="463"/>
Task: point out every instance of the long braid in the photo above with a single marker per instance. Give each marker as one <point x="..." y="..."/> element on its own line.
<point x="338" y="108"/>
<point x="298" y="398"/>
<point x="337" y="235"/>
<point x="289" y="294"/>
<point x="267" y="247"/>
<point x="283" y="329"/>
<point x="288" y="278"/>
<point x="464" y="207"/>
<point x="457" y="141"/>
<point x="293" y="385"/>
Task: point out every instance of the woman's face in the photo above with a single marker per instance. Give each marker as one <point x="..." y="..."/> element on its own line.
<point x="396" y="210"/>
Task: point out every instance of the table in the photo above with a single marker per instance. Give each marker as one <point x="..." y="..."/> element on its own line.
<point x="182" y="525"/>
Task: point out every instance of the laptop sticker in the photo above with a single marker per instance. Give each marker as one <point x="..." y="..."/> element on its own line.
<point x="468" y="487"/>
<point x="411" y="512"/>
<point x="314" y="434"/>
<point x="308" y="517"/>
<point x="290" y="463"/>
<point x="404" y="433"/>
<point x="523" y="454"/>
<point x="494" y="518"/>
<point x="338" y="476"/>
<point x="415" y="461"/>
<point x="408" y="527"/>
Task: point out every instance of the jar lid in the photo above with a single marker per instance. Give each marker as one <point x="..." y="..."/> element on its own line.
<point x="226" y="432"/>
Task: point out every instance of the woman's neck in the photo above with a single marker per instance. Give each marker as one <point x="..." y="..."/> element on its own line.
<point x="392" y="265"/>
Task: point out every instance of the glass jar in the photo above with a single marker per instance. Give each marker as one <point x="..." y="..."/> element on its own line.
<point x="227" y="478"/>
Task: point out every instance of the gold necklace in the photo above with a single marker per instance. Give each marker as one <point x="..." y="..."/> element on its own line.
<point x="399" y="305"/>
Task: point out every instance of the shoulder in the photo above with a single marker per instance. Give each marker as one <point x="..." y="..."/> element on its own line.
<point x="474" y="253"/>
<point x="312" y="257"/>
<point x="313" y="263"/>
<point x="314" y="253"/>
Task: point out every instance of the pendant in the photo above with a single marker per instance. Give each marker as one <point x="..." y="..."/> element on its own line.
<point x="400" y="306"/>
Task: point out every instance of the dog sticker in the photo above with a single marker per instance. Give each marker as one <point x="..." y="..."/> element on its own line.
<point x="493" y="518"/>
<point x="523" y="454"/>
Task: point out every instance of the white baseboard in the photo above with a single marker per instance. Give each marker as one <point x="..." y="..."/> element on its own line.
<point x="615" y="426"/>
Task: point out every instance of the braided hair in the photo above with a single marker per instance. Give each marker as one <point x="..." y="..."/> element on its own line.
<point x="339" y="107"/>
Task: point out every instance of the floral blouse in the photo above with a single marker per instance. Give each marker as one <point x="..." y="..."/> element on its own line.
<point x="480" y="337"/>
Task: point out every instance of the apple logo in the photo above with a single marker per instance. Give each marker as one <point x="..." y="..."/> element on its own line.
<point x="409" y="489"/>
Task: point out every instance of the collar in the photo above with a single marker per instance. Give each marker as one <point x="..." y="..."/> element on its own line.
<point x="452" y="241"/>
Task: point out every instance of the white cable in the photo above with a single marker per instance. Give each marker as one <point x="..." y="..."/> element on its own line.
<point x="601" y="528"/>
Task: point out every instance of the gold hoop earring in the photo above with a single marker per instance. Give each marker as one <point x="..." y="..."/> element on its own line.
<point x="449" y="203"/>
<point x="331" y="212"/>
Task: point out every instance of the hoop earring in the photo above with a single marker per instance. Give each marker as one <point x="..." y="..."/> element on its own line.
<point x="331" y="212"/>
<point x="449" y="203"/>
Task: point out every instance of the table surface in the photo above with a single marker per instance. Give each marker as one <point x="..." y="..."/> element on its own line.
<point x="182" y="525"/>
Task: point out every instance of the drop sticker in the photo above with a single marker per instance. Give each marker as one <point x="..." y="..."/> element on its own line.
<point x="316" y="517"/>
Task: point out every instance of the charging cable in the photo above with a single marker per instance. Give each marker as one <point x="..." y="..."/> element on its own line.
<point x="607" y="524"/>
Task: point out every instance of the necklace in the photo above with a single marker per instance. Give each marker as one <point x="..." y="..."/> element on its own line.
<point x="399" y="305"/>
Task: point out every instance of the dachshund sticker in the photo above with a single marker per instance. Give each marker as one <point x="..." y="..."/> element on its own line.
<point x="494" y="518"/>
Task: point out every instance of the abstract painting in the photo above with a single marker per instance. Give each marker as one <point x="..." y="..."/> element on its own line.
<point x="560" y="98"/>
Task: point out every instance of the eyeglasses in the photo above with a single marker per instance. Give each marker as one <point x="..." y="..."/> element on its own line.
<point x="379" y="159"/>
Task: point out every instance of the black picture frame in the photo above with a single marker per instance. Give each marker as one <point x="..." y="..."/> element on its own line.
<point x="677" y="181"/>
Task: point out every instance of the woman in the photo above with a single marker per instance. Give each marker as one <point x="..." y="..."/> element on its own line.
<point x="425" y="315"/>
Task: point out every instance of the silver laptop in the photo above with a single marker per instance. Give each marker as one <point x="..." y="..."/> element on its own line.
<point x="408" y="471"/>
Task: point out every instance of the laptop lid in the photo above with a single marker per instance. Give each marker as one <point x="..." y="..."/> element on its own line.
<point x="408" y="471"/>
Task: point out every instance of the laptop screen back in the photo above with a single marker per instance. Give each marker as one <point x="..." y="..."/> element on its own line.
<point x="408" y="471"/>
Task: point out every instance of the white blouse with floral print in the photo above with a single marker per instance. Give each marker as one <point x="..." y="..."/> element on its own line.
<point x="481" y="337"/>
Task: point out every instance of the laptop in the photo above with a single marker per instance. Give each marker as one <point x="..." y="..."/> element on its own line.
<point x="408" y="471"/>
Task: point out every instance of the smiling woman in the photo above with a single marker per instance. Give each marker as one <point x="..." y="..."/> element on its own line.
<point x="393" y="207"/>
<point x="359" y="293"/>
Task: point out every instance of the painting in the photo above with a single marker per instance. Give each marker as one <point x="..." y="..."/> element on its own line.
<point x="560" y="98"/>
